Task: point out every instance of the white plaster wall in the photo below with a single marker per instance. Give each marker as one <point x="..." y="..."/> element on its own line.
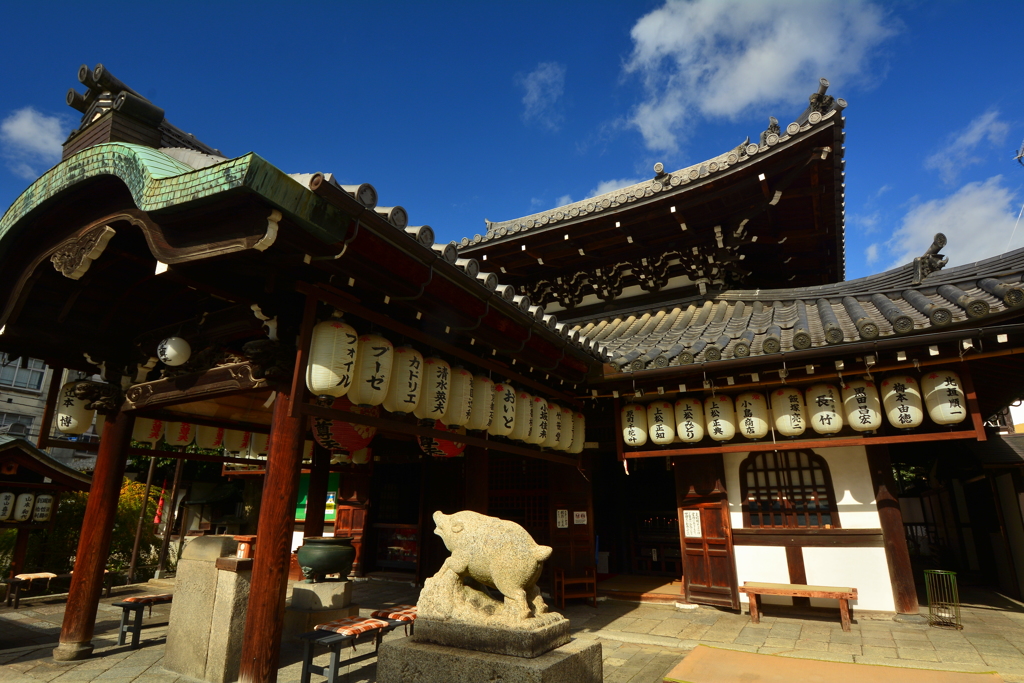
<point x="862" y="568"/>
<point x="762" y="563"/>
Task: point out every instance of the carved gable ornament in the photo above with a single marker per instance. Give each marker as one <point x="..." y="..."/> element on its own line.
<point x="931" y="261"/>
<point x="73" y="258"/>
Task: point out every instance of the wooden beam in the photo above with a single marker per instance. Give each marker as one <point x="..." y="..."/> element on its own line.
<point x="890" y="516"/>
<point x="221" y="381"/>
<point x="298" y="392"/>
<point x="56" y="375"/>
<point x="416" y="430"/>
<point x="149" y="452"/>
<point x="977" y="419"/>
<point x="803" y="538"/>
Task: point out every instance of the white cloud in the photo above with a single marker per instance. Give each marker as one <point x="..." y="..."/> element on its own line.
<point x="977" y="220"/>
<point x="871" y="253"/>
<point x="543" y="87"/>
<point x="30" y="141"/>
<point x="563" y="200"/>
<point x="718" y="58"/>
<point x="958" y="150"/>
<point x="865" y="223"/>
<point x="609" y="185"/>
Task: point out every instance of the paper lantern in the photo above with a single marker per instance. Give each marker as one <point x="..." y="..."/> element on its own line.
<point x="72" y="415"/>
<point x="634" y="425"/>
<point x="661" y="422"/>
<point x="482" y="411"/>
<point x="720" y="417"/>
<point x="524" y="416"/>
<point x="23" y="507"/>
<point x="406" y="381"/>
<point x="554" y="434"/>
<point x="261" y="442"/>
<point x="209" y="438"/>
<point x="789" y="411"/>
<point x="6" y="505"/>
<point x="689" y="420"/>
<point x="442" y="448"/>
<point x="332" y="358"/>
<point x="901" y="398"/>
<point x="539" y="422"/>
<point x="374" y="360"/>
<point x="361" y="457"/>
<point x="236" y="441"/>
<point x="460" y="398"/>
<point x="861" y="405"/>
<point x="148" y="431"/>
<point x="579" y="432"/>
<point x="338" y="435"/>
<point x="436" y="384"/>
<point x="179" y="433"/>
<point x="173" y="351"/>
<point x="823" y="411"/>
<point x="307" y="451"/>
<point x="944" y="397"/>
<point x="43" y="508"/>
<point x="342" y="458"/>
<point x="565" y="437"/>
<point x="504" y="418"/>
<point x="752" y="415"/>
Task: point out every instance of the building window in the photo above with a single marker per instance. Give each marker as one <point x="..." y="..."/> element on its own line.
<point x="15" y="425"/>
<point x="21" y="373"/>
<point x="787" y="489"/>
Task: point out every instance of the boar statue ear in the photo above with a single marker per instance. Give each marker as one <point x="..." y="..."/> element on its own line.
<point x="457" y="527"/>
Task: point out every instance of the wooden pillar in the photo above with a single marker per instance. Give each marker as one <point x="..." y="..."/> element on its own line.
<point x="170" y="516"/>
<point x="142" y="517"/>
<point x="316" y="495"/>
<point x="94" y="542"/>
<point x="52" y="392"/>
<point x="897" y="556"/>
<point x="265" y="617"/>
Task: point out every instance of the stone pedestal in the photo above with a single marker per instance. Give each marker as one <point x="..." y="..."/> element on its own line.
<point x="410" y="661"/>
<point x="544" y="633"/>
<point x="315" y="603"/>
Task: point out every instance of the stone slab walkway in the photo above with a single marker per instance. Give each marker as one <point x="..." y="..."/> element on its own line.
<point x="641" y="642"/>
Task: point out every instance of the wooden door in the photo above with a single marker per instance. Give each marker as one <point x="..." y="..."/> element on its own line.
<point x="705" y="533"/>
<point x="350" y="520"/>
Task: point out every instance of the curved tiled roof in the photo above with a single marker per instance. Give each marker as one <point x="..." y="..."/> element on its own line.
<point x="744" y="323"/>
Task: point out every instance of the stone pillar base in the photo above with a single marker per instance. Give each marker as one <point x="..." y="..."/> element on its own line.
<point x="72" y="652"/>
<point x="405" y="660"/>
<point x="316" y="603"/>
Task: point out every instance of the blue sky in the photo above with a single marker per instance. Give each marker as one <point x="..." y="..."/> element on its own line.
<point x="461" y="111"/>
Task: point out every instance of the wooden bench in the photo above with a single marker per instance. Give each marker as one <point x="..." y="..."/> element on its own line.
<point x="23" y="582"/>
<point x="586" y="586"/>
<point x="132" y="623"/>
<point x="843" y="595"/>
<point x="351" y="631"/>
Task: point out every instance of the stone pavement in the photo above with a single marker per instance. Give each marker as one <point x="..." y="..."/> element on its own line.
<point x="640" y="642"/>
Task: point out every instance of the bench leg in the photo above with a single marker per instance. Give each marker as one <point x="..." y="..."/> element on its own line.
<point x="124" y="625"/>
<point x="332" y="667"/>
<point x="307" y="660"/>
<point x="137" y="629"/>
<point x="755" y="615"/>
<point x="844" y="613"/>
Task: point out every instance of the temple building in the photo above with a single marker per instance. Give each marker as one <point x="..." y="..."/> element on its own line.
<point x="671" y="380"/>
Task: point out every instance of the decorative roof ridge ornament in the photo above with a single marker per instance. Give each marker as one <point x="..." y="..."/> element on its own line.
<point x="931" y="261"/>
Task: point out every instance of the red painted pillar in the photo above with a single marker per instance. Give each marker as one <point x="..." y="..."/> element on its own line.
<point x="265" y="617"/>
<point x="94" y="542"/>
<point x="316" y="496"/>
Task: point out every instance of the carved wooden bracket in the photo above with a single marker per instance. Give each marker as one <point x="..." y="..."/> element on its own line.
<point x="73" y="258"/>
<point x="102" y="397"/>
<point x="220" y="380"/>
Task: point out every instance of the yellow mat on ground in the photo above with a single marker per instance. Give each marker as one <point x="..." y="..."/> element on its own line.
<point x="627" y="583"/>
<point x="710" y="664"/>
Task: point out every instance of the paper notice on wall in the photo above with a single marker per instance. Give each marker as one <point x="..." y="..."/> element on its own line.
<point x="579" y="517"/>
<point x="691" y="524"/>
<point x="562" y="519"/>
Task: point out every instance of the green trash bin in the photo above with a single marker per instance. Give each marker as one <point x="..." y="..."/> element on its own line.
<point x="943" y="598"/>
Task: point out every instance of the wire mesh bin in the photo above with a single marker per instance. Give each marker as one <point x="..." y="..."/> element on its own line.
<point x="943" y="598"/>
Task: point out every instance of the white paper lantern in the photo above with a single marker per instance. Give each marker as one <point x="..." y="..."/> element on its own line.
<point x="72" y="415"/>
<point x="752" y="415"/>
<point x="661" y="422"/>
<point x="332" y="358"/>
<point x="179" y="433"/>
<point x="43" y="508"/>
<point x="237" y="441"/>
<point x="901" y="398"/>
<point x="260" y="445"/>
<point x="6" y="505"/>
<point x="862" y="406"/>
<point x="689" y="420"/>
<point x="634" y="425"/>
<point x="148" y="431"/>
<point x="539" y="421"/>
<point x="579" y="432"/>
<point x="406" y="381"/>
<point x="565" y="437"/>
<point x="209" y="438"/>
<point x="823" y="411"/>
<point x="374" y="360"/>
<point x="460" y="398"/>
<point x="944" y="397"/>
<point x="504" y="417"/>
<point x="524" y="416"/>
<point x="720" y="417"/>
<point x="436" y="385"/>
<point x="173" y="351"/>
<point x="554" y="434"/>
<point x="789" y="411"/>
<point x="361" y="457"/>
<point x="23" y="507"/>
<point x="482" y="411"/>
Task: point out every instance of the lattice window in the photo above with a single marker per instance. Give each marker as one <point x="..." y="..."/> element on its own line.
<point x="787" y="489"/>
<point x="21" y="373"/>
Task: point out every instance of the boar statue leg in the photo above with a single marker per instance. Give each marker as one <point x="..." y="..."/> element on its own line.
<point x="515" y="601"/>
<point x="534" y="597"/>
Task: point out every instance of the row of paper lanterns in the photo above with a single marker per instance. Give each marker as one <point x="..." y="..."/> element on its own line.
<point x="25" y="507"/>
<point x="790" y="411"/>
<point x="368" y="370"/>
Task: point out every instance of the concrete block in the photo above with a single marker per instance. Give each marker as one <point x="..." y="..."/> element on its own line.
<point x="325" y="595"/>
<point x="533" y="639"/>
